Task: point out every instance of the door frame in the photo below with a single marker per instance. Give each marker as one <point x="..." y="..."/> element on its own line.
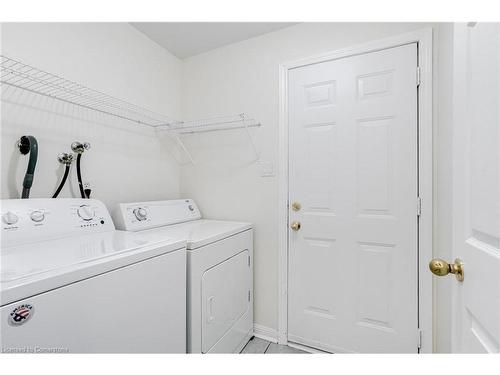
<point x="423" y="38"/>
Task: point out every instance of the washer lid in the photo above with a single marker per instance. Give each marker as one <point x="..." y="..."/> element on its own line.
<point x="201" y="232"/>
<point x="29" y="269"/>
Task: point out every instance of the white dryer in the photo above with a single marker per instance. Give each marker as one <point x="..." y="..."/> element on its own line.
<point x="72" y="283"/>
<point x="219" y="274"/>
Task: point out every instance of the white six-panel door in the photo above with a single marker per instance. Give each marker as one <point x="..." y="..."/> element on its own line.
<point x="352" y="284"/>
<point x="476" y="208"/>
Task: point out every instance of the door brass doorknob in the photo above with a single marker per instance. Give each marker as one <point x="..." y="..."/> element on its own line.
<point x="440" y="267"/>
<point x="295" y="225"/>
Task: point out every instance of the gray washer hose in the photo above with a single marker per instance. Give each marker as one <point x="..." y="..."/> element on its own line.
<point x="28" y="143"/>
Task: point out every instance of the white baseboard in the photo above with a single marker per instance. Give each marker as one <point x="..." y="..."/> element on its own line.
<point x="306" y="348"/>
<point x="265" y="333"/>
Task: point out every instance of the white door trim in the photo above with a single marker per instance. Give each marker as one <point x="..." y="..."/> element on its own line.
<point x="425" y="293"/>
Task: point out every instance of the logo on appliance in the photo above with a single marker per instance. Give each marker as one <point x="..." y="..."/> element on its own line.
<point x="21" y="314"/>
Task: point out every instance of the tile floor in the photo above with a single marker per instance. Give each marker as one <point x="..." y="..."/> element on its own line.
<point x="260" y="346"/>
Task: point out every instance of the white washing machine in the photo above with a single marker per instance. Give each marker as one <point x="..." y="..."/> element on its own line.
<point x="72" y="283"/>
<point x="219" y="275"/>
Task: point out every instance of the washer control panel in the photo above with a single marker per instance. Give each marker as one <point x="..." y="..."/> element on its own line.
<point x="32" y="220"/>
<point x="145" y="215"/>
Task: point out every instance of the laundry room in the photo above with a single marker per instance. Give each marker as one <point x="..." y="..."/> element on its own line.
<point x="242" y="186"/>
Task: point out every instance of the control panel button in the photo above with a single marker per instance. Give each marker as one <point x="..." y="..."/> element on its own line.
<point x="10" y="218"/>
<point x="141" y="213"/>
<point x="37" y="216"/>
<point x="86" y="212"/>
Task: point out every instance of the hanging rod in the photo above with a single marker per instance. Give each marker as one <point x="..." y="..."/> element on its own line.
<point x="16" y="74"/>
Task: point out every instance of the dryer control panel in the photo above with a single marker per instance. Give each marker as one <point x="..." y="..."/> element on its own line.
<point x="32" y="220"/>
<point x="146" y="215"/>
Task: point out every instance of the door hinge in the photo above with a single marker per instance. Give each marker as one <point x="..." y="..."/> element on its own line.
<point x="418" y="76"/>
<point x="419" y="206"/>
<point x="419" y="338"/>
<point x="248" y="296"/>
<point x="249" y="261"/>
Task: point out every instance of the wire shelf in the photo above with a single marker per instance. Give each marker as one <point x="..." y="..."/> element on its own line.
<point x="22" y="76"/>
<point x="18" y="75"/>
<point x="239" y="121"/>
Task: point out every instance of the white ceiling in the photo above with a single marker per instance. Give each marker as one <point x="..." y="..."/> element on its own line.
<point x="185" y="39"/>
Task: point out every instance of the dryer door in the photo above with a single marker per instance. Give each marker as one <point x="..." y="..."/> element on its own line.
<point x="225" y="297"/>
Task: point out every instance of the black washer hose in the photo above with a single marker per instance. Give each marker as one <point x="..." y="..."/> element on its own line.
<point x="79" y="176"/>
<point x="63" y="181"/>
<point x="28" y="143"/>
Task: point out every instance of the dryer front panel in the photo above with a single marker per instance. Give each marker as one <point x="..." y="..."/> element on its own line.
<point x="226" y="296"/>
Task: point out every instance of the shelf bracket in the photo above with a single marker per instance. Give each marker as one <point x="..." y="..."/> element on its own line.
<point x="250" y="139"/>
<point x="183" y="147"/>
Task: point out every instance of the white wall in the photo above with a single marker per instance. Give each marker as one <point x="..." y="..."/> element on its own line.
<point x="126" y="162"/>
<point x="243" y="77"/>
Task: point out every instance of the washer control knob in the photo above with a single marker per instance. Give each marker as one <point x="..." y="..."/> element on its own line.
<point x="191" y="208"/>
<point x="141" y="213"/>
<point x="10" y="218"/>
<point x="86" y="212"/>
<point x="37" y="216"/>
